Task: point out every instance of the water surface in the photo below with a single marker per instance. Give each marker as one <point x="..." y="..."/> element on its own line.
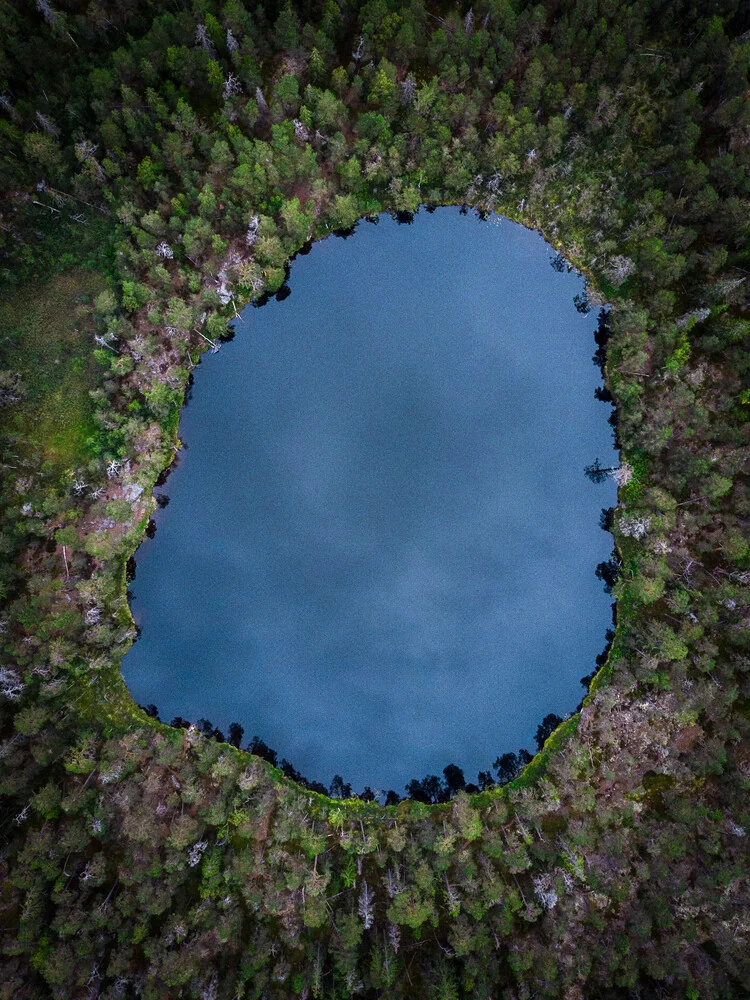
<point x="380" y="550"/>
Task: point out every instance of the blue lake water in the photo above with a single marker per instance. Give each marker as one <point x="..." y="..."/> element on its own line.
<point x="380" y="548"/>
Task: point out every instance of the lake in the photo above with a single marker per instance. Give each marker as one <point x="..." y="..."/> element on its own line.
<point x="380" y="548"/>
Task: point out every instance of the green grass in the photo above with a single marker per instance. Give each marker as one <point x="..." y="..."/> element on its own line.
<point x="36" y="244"/>
<point x="46" y="337"/>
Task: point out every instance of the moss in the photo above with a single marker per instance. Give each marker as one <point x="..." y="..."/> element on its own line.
<point x="537" y="767"/>
<point x="49" y="330"/>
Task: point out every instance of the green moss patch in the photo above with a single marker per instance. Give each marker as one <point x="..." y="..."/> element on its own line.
<point x="48" y="338"/>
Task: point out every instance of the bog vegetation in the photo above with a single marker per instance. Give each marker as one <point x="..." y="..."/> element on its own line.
<point x="160" y="164"/>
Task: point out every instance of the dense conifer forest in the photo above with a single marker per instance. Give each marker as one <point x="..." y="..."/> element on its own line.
<point x="160" y="164"/>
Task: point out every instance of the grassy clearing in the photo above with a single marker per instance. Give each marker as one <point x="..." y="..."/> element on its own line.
<point x="46" y="337"/>
<point x="36" y="243"/>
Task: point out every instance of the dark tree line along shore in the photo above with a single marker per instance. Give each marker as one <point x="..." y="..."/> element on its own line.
<point x="430" y="789"/>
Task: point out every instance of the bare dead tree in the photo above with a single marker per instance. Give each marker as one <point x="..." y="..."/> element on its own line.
<point x="394" y="936"/>
<point x="408" y="91"/>
<point x="201" y="37"/>
<point x="11" y="685"/>
<point x="48" y="125"/>
<point x="49" y="14"/>
<point x="232" y="87"/>
<point x="7" y="106"/>
<point x="635" y="527"/>
<point x="301" y="132"/>
<point x="366" y="901"/>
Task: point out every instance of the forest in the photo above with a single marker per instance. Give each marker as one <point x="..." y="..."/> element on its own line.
<point x="160" y="164"/>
